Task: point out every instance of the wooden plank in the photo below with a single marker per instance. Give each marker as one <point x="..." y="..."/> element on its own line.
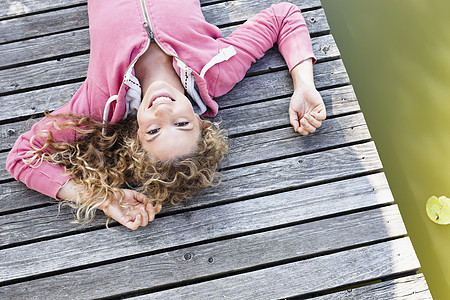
<point x="27" y="104"/>
<point x="74" y="18"/>
<point x="324" y="48"/>
<point x="44" y="24"/>
<point x="44" y="48"/>
<point x="209" y="223"/>
<point x="16" y="107"/>
<point x="76" y="42"/>
<point x="75" y="68"/>
<point x="16" y="8"/>
<point x="236" y="120"/>
<point x="242" y="151"/>
<point x="285" y="142"/>
<point x="292" y="172"/>
<point x="4" y="175"/>
<point x="41" y="75"/>
<point x="410" y="287"/>
<point x="228" y="12"/>
<point x="279" y="84"/>
<point x="9" y="133"/>
<point x="342" y="162"/>
<point x="273" y="113"/>
<point x="15" y="196"/>
<point x="45" y="74"/>
<point x="293" y="242"/>
<point x="243" y="182"/>
<point x="305" y="277"/>
<point x="334" y="132"/>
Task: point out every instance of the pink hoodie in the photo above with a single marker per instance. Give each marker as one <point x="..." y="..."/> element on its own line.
<point x="120" y="31"/>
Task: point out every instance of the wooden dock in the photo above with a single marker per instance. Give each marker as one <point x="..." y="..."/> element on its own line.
<point x="296" y="217"/>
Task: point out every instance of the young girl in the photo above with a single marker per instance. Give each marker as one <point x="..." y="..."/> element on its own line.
<point x="133" y="129"/>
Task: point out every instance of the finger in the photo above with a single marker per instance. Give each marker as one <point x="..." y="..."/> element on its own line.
<point x="293" y="118"/>
<point x="134" y="225"/>
<point x="151" y="212"/>
<point x="145" y="217"/>
<point x="320" y="113"/>
<point x="311" y="120"/>
<point x="158" y="208"/>
<point x="141" y="198"/>
<point x="302" y="131"/>
<point x="308" y="127"/>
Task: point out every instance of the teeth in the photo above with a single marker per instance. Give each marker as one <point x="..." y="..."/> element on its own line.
<point x="161" y="99"/>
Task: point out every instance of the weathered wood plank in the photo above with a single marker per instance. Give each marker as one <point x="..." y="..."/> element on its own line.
<point x="412" y="287"/>
<point x="16" y="8"/>
<point x="279" y="84"/>
<point x="294" y="242"/>
<point x="44" y="48"/>
<point x="324" y="48"/>
<point x="70" y="43"/>
<point x="236" y="120"/>
<point x="209" y="223"/>
<point x="268" y="146"/>
<point x="253" y="88"/>
<point x="75" y="18"/>
<point x="327" y="165"/>
<point x="292" y="172"/>
<point x="43" y="73"/>
<point x="343" y="130"/>
<point x="250" y="181"/>
<point x="56" y="72"/>
<point x="273" y="113"/>
<point x="283" y="142"/>
<point x="238" y="11"/>
<point x="35" y="102"/>
<point x="305" y="277"/>
<point x="15" y="195"/>
<point x="4" y="175"/>
<point x="44" y="24"/>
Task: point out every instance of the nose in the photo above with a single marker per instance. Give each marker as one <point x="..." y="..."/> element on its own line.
<point x="163" y="112"/>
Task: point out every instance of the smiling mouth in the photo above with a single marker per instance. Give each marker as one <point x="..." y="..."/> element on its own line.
<point x="160" y="100"/>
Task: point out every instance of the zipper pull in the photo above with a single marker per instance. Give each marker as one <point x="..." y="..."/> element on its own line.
<point x="149" y="31"/>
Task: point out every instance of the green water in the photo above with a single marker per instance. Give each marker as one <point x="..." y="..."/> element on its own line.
<point x="397" y="54"/>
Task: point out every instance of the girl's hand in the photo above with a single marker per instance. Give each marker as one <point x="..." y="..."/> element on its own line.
<point x="306" y="110"/>
<point x="136" y="209"/>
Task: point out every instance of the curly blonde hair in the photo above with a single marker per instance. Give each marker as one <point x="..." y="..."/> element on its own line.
<point x="106" y="163"/>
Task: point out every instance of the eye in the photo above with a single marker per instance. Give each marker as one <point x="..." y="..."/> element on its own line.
<point x="181" y="124"/>
<point x="153" y="131"/>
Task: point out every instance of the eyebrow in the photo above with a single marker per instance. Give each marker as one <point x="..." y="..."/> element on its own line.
<point x="159" y="133"/>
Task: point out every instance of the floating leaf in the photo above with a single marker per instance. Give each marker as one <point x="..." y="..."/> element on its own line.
<point x="438" y="209"/>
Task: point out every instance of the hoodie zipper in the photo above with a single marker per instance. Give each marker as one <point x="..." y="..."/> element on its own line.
<point x="149" y="31"/>
<point x="151" y="36"/>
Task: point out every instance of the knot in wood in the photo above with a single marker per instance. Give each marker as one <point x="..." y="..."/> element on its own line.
<point x="11" y="132"/>
<point x="211" y="260"/>
<point x="325" y="49"/>
<point x="187" y="256"/>
<point x="312" y="20"/>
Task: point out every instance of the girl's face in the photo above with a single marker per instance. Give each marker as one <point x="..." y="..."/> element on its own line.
<point x="168" y="126"/>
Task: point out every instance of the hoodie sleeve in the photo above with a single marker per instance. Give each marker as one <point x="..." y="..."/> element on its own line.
<point x="44" y="177"/>
<point x="281" y="23"/>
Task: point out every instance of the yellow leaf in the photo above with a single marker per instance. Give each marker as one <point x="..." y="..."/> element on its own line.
<point x="438" y="209"/>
